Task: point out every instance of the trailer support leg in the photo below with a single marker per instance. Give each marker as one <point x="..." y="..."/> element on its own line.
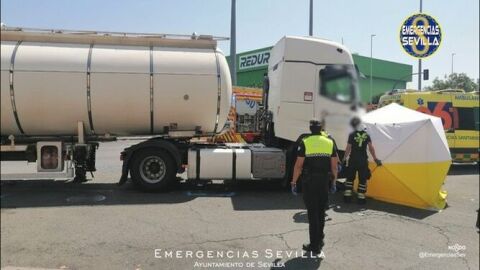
<point x="80" y="174"/>
<point x="81" y="132"/>
<point x="80" y="152"/>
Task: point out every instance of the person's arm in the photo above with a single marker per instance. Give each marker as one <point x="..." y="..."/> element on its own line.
<point x="347" y="151"/>
<point x="297" y="169"/>
<point x="372" y="150"/>
<point x="334" y="159"/>
<point x="333" y="165"/>
<point x="335" y="149"/>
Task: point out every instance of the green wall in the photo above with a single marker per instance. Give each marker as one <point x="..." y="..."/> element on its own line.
<point x="253" y="78"/>
<point x="385" y="74"/>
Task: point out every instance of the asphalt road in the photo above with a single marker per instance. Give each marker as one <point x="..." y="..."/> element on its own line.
<point x="98" y="225"/>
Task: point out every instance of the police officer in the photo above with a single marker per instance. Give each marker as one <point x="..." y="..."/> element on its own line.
<point x="317" y="164"/>
<point x="357" y="160"/>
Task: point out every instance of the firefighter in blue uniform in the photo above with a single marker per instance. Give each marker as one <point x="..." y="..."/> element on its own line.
<point x="317" y="164"/>
<point x="356" y="159"/>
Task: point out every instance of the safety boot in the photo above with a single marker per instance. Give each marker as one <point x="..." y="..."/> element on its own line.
<point x="311" y="249"/>
<point x="347" y="196"/>
<point x="361" y="199"/>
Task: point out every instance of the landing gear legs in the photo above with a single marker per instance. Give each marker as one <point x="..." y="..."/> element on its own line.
<point x="84" y="161"/>
<point x="80" y="174"/>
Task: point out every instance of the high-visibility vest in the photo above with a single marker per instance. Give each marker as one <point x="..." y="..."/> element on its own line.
<point x="318" y="146"/>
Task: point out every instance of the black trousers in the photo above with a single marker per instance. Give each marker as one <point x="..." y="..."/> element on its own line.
<point x="315" y="196"/>
<point x="360" y="167"/>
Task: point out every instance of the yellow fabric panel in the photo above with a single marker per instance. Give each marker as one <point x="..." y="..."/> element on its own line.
<point x="384" y="186"/>
<point x="412" y="184"/>
<point x="428" y="183"/>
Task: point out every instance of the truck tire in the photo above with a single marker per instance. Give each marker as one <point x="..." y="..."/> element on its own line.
<point x="152" y="169"/>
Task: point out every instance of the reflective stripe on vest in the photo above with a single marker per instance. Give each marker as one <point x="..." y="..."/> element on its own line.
<point x="318" y="146"/>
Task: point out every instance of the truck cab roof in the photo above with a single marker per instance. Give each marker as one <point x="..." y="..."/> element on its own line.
<point x="311" y="50"/>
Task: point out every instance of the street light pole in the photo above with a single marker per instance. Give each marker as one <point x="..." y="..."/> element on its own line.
<point x="371" y="66"/>
<point x="310" y="24"/>
<point x="452" y="62"/>
<point x="420" y="61"/>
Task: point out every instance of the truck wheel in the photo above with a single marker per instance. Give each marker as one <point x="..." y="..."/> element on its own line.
<point x="152" y="169"/>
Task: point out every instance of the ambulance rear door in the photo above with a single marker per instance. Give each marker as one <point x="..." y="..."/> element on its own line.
<point x="466" y="125"/>
<point x="437" y="104"/>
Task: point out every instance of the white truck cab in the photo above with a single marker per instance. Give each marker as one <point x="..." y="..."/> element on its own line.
<point x="311" y="78"/>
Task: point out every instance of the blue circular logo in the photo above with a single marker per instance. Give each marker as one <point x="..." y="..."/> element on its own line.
<point x="420" y="35"/>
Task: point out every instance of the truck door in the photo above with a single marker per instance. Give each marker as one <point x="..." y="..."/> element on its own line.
<point x="466" y="125"/>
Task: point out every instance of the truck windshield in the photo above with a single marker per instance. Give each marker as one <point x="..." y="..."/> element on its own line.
<point x="339" y="83"/>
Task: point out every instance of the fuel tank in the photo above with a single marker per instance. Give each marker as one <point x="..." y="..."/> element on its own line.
<point x="115" y="84"/>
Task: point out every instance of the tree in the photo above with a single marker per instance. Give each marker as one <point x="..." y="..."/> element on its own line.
<point x="454" y="81"/>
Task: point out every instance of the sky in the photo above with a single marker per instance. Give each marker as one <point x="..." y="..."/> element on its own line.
<point x="261" y="23"/>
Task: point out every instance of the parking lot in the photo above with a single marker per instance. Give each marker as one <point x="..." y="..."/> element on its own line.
<point x="99" y="225"/>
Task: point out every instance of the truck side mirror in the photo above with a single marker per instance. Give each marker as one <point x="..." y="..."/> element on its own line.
<point x="266" y="83"/>
<point x="266" y="87"/>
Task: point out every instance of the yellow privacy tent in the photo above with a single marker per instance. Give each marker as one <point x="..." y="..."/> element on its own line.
<point x="415" y="156"/>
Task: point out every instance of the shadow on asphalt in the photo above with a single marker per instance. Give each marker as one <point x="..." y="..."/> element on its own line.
<point x="337" y="205"/>
<point x="299" y="263"/>
<point x="244" y="196"/>
<point x="264" y="195"/>
<point x="300" y="217"/>
<point x="464" y="169"/>
<point x="51" y="193"/>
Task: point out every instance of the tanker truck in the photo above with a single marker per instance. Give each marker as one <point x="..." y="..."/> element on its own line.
<point x="63" y="92"/>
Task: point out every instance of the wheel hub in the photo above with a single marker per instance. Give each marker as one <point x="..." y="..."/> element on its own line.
<point x="153" y="169"/>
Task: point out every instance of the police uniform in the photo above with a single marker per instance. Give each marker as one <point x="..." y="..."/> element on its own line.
<point x="357" y="163"/>
<point x="318" y="150"/>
